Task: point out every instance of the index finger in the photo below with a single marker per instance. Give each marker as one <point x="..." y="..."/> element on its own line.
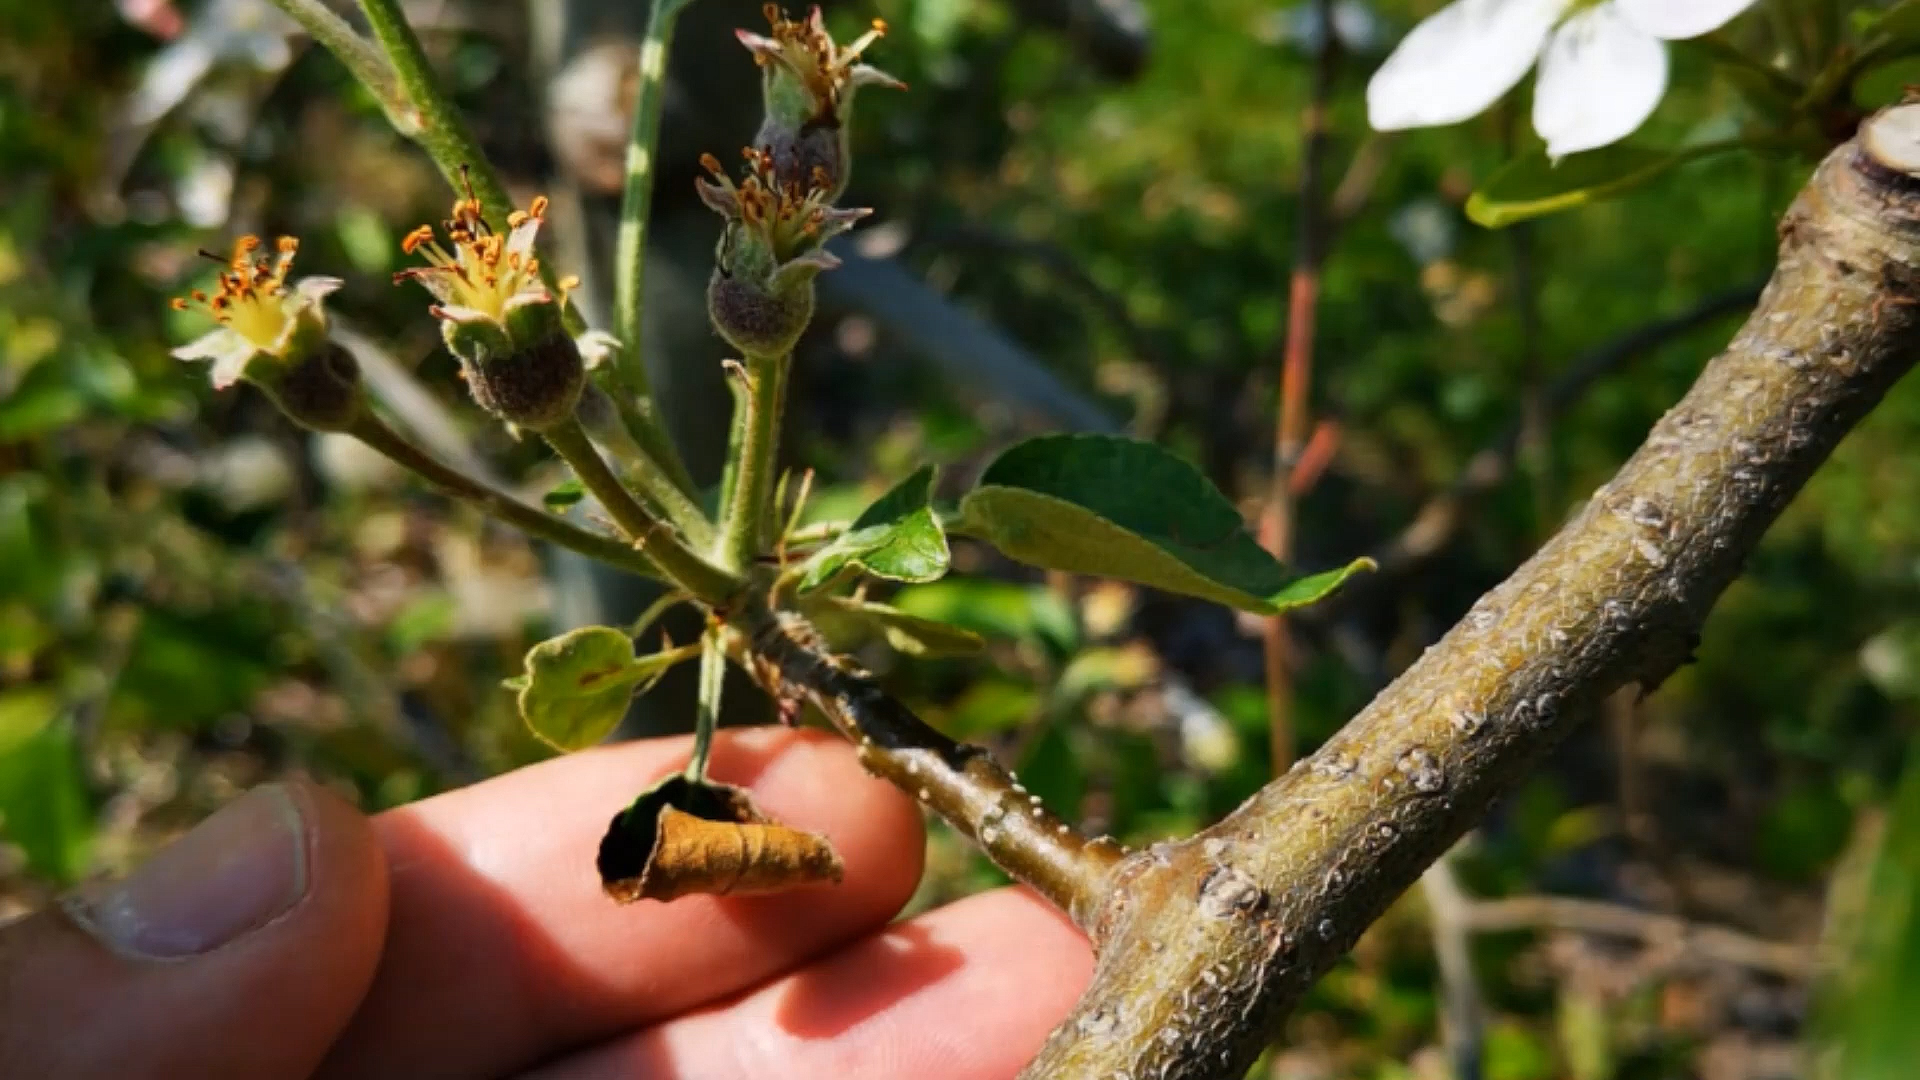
<point x="502" y="949"/>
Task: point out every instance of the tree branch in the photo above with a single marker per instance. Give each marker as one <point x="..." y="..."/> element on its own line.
<point x="961" y="783"/>
<point x="1205" y="944"/>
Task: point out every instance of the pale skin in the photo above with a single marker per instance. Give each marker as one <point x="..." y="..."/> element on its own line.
<point x="467" y="936"/>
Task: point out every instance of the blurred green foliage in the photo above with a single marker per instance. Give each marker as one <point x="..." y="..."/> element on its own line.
<point x="194" y="596"/>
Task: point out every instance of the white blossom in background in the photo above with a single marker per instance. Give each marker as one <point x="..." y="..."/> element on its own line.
<point x="1603" y="64"/>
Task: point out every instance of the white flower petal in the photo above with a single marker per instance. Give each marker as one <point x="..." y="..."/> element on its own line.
<point x="520" y="239"/>
<point x="1600" y="79"/>
<point x="1458" y="62"/>
<point x="312" y="290"/>
<point x="229" y="351"/>
<point x="211" y="345"/>
<point x="1674" y="20"/>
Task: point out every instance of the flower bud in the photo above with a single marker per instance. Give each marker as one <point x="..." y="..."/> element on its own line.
<point x="757" y="318"/>
<point x="760" y="297"/>
<point x="274" y="335"/>
<point x="534" y="386"/>
<point x="321" y="391"/>
<point x="808" y="84"/>
<point x="497" y="315"/>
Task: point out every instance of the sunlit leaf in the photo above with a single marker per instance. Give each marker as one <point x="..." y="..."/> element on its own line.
<point x="898" y="538"/>
<point x="1120" y="508"/>
<point x="577" y="686"/>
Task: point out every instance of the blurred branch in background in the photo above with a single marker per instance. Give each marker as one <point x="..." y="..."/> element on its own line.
<point x="1437" y="521"/>
<point x="970" y="352"/>
<point x="1296" y="372"/>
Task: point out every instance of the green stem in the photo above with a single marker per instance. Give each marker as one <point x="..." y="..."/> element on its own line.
<point x="371" y="430"/>
<point x="660" y="606"/>
<point x="745" y="519"/>
<point x="438" y="128"/>
<point x="630" y="258"/>
<point x="356" y="53"/>
<point x="706" y="715"/>
<point x="657" y="538"/>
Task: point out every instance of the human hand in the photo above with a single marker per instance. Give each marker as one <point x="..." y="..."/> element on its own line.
<point x="467" y="936"/>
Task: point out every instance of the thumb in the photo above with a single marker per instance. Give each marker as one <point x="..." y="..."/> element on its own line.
<point x="238" y="951"/>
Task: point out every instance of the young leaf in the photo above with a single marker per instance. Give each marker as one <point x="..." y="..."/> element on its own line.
<point x="1113" y="507"/>
<point x="912" y="634"/>
<point x="564" y="495"/>
<point x="1533" y="185"/>
<point x="898" y="537"/>
<point x="577" y="686"/>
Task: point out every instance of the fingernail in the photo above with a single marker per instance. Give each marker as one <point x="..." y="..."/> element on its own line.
<point x="235" y="872"/>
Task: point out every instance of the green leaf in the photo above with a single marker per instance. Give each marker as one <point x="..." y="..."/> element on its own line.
<point x="1869" y="1010"/>
<point x="1886" y="84"/>
<point x="913" y="634"/>
<point x="44" y="806"/>
<point x="995" y="609"/>
<point x="898" y="538"/>
<point x="564" y="496"/>
<point x="1113" y="507"/>
<point x="577" y="686"/>
<point x="1534" y="185"/>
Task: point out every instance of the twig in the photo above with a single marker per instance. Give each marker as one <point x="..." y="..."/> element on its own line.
<point x="1463" y="1013"/>
<point x="378" y="435"/>
<point x="706" y="713"/>
<point x="1212" y="940"/>
<point x="961" y="783"/>
<point x="657" y="537"/>
<point x="1296" y="372"/>
<point x="357" y="54"/>
<point x="1436" y="521"/>
<point x="1717" y="944"/>
<point x="630" y="258"/>
<point x="747" y="521"/>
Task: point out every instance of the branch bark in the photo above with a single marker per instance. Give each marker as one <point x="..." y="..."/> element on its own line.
<point x="1205" y="944"/>
<point x="961" y="783"/>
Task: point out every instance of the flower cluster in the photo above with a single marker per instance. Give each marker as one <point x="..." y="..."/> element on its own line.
<point x="771" y="249"/>
<point x="781" y="213"/>
<point x="272" y="332"/>
<point x="808" y="84"/>
<point x="1603" y="64"/>
<point x="497" y="315"/>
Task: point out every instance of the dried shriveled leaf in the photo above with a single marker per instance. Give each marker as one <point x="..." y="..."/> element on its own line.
<point x="684" y="837"/>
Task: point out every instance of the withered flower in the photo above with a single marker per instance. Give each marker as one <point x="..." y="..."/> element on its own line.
<point x="808" y="84"/>
<point x="272" y="332"/>
<point x="761" y="294"/>
<point x="497" y="315"/>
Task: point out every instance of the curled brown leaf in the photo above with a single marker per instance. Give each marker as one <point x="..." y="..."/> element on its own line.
<point x="684" y="836"/>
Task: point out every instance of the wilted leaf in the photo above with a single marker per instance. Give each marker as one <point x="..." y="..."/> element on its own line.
<point x="683" y="837"/>
<point x="577" y="686"/>
<point x="1113" y="507"/>
<point x="898" y="537"/>
<point x="1534" y="185"/>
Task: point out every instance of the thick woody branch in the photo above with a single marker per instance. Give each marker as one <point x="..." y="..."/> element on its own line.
<point x="1206" y="944"/>
<point x="961" y="783"/>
